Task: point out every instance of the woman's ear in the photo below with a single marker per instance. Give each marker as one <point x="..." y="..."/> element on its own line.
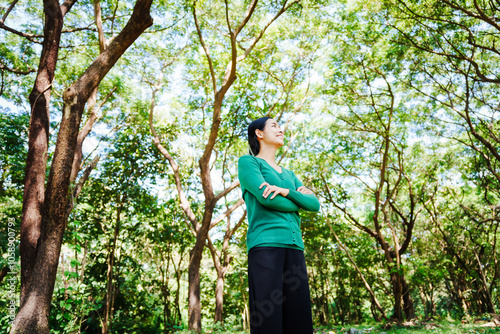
<point x="258" y="133"/>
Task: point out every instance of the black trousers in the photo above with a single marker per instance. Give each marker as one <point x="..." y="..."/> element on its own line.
<point x="280" y="302"/>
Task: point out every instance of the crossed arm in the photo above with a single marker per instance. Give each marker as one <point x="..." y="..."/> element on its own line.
<point x="303" y="197"/>
<point x="291" y="200"/>
<point x="281" y="191"/>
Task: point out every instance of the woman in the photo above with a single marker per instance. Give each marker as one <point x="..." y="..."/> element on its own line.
<point x="277" y="277"/>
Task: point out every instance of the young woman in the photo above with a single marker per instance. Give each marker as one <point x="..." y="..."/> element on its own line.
<point x="277" y="277"/>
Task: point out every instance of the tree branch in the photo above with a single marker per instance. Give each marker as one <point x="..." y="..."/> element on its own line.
<point x="81" y="182"/>
<point x="185" y="205"/>
<point x="16" y="71"/>
<point x="205" y="48"/>
<point x="98" y="23"/>
<point x="227" y="213"/>
<point x="8" y="11"/>
<point x="226" y="191"/>
<point x="30" y="37"/>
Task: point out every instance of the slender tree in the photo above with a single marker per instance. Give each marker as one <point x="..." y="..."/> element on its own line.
<point x="220" y="87"/>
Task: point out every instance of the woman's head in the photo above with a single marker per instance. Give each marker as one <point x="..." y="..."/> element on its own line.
<point x="264" y="129"/>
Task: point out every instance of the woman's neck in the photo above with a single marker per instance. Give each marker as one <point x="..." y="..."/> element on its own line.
<point x="268" y="153"/>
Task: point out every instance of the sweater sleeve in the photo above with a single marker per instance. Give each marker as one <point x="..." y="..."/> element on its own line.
<point x="251" y="178"/>
<point x="304" y="201"/>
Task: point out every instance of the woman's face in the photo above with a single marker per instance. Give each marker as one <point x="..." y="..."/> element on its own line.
<point x="272" y="133"/>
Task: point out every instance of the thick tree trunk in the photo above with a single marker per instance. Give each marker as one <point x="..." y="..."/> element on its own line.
<point x="403" y="304"/>
<point x="409" y="308"/>
<point x="397" y="289"/>
<point x="34" y="312"/>
<point x="38" y="138"/>
<point x="456" y="290"/>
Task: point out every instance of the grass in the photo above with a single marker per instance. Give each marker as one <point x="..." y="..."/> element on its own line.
<point x="451" y="327"/>
<point x="422" y="327"/>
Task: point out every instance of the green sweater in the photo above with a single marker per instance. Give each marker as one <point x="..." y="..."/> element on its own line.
<point x="272" y="222"/>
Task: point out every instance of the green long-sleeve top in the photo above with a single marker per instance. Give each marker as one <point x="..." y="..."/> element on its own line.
<point x="272" y="222"/>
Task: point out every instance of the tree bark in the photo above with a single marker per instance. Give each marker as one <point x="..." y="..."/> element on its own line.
<point x="397" y="293"/>
<point x="34" y="311"/>
<point x="38" y="139"/>
<point x="194" y="300"/>
<point x="219" y="298"/>
<point x="409" y="308"/>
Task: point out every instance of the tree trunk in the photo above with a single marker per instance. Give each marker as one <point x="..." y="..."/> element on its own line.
<point x="33" y="314"/>
<point x="219" y="297"/>
<point x="246" y="312"/>
<point x="38" y="138"/>
<point x="425" y="303"/>
<point x="402" y="298"/>
<point x="397" y="289"/>
<point x="167" y="314"/>
<point x="177" y="291"/>
<point x="373" y="309"/>
<point x="409" y="308"/>
<point x="490" y="308"/>
<point x="456" y="290"/>
<point x="194" y="301"/>
<point x="222" y="261"/>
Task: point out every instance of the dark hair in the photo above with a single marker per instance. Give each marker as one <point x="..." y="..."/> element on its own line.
<point x="253" y="142"/>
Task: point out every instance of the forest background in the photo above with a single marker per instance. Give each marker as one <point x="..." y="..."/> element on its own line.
<point x="122" y="123"/>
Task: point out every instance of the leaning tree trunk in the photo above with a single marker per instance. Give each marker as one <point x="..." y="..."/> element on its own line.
<point x="38" y="138"/>
<point x="33" y="314"/>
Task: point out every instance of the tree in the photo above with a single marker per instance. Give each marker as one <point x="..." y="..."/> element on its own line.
<point x="370" y="123"/>
<point x="451" y="46"/>
<point x="51" y="211"/>
<point x="219" y="87"/>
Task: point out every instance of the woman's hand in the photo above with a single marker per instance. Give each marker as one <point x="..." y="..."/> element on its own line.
<point x="304" y="190"/>
<point x="273" y="189"/>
